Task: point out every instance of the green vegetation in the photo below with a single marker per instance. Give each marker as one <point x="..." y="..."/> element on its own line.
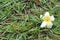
<point x="20" y="19"/>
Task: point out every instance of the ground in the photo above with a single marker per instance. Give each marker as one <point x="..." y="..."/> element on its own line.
<point x="20" y="19"/>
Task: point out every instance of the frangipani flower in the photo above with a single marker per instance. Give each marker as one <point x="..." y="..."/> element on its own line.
<point x="47" y="20"/>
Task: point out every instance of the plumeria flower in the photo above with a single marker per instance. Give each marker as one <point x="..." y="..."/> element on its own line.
<point x="47" y="20"/>
<point x="41" y="16"/>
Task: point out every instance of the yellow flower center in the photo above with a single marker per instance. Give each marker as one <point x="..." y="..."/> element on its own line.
<point x="47" y="19"/>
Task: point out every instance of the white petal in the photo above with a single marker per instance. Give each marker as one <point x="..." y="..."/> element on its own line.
<point x="41" y="16"/>
<point x="43" y="24"/>
<point x="46" y="14"/>
<point x="49" y="25"/>
<point x="52" y="18"/>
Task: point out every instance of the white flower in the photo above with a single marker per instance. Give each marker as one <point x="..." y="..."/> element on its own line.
<point x="41" y="16"/>
<point x="47" y="20"/>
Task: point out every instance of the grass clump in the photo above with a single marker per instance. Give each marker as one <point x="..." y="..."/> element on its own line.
<point x="20" y="19"/>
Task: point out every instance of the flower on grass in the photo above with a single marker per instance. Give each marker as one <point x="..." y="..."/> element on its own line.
<point x="47" y="20"/>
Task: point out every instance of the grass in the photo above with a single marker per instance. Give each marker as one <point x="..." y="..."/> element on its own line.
<point x="20" y="19"/>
